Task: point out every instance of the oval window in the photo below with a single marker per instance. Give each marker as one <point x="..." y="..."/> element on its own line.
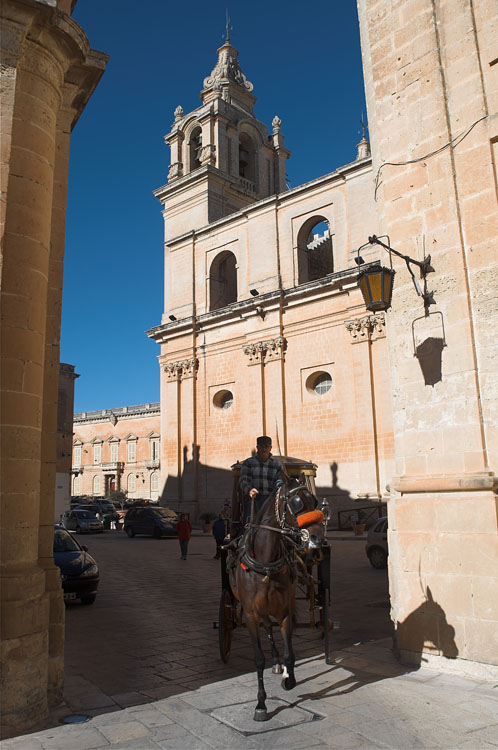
<point x="223" y="399"/>
<point x="319" y="383"/>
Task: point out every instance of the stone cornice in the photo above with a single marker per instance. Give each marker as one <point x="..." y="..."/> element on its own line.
<point x="184" y="368"/>
<point x="331" y="284"/>
<point x="361" y="328"/>
<point x="261" y="351"/>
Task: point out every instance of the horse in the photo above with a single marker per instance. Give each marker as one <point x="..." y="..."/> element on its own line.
<point x="263" y="574"/>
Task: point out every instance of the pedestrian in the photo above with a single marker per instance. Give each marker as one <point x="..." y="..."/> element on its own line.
<point x="183" y="528"/>
<point x="220" y="531"/>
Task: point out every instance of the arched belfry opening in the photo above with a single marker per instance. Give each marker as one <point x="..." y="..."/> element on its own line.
<point x="223" y="280"/>
<point x="195" y="147"/>
<point x="247" y="158"/>
<point x="314" y="250"/>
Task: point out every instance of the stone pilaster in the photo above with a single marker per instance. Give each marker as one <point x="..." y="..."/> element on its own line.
<point x="43" y="52"/>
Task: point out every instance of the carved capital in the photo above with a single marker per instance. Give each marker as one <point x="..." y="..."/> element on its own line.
<point x="255" y="352"/>
<point x="360" y="328"/>
<point x="259" y="351"/>
<point x="275" y="348"/>
<point x="184" y="368"/>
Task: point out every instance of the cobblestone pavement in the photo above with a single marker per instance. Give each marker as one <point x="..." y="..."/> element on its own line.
<point x="143" y="662"/>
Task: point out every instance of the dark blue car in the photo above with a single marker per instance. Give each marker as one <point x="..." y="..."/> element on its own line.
<point x="79" y="571"/>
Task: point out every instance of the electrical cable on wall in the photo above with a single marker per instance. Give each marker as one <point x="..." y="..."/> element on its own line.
<point x="454" y="142"/>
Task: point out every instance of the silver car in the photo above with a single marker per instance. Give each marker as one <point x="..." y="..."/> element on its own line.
<point x="82" y="522"/>
<point x="376" y="546"/>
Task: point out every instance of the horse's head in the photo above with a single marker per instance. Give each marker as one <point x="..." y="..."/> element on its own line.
<point x="302" y="506"/>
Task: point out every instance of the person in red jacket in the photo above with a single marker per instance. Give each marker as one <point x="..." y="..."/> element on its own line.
<point x="183" y="528"/>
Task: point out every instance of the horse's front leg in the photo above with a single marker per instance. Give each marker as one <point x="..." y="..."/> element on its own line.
<point x="260" y="713"/>
<point x="277" y="666"/>
<point x="289" y="680"/>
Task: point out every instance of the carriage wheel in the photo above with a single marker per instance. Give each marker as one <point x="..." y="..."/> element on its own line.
<point x="225" y="625"/>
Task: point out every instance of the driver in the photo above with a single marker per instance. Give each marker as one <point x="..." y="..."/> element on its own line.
<point x="259" y="476"/>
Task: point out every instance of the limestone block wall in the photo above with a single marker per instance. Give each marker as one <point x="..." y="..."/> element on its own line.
<point x="431" y="84"/>
<point x="49" y="73"/>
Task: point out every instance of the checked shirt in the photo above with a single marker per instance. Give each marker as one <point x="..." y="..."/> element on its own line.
<point x="262" y="476"/>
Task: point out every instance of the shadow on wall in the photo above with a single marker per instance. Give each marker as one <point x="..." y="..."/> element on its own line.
<point x="337" y="497"/>
<point x="425" y="627"/>
<point x="430" y="355"/>
<point x="212" y="486"/>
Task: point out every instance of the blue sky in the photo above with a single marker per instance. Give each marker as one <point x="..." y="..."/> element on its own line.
<point x="305" y="63"/>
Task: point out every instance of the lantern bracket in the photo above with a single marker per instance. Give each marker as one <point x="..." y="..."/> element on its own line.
<point x="424" y="266"/>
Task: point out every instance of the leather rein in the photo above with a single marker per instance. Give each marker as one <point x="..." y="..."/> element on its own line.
<point x="295" y="538"/>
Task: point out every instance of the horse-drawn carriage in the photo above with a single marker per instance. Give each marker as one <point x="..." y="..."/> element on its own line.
<point x="281" y="550"/>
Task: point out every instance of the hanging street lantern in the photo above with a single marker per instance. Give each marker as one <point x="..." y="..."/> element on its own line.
<point x="376" y="281"/>
<point x="376" y="285"/>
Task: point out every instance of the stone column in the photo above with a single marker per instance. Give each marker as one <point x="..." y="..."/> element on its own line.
<point x="40" y="48"/>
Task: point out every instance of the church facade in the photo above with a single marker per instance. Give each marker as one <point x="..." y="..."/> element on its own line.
<point x="264" y="329"/>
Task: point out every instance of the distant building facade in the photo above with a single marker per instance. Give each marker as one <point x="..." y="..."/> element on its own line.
<point x="117" y="449"/>
<point x="264" y="329"/>
<point x="65" y="408"/>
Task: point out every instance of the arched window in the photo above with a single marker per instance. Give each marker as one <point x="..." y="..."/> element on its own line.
<point x="77" y="485"/>
<point x="223" y="280"/>
<point x="314" y="250"/>
<point x="195" y="147"/>
<point x="246" y="158"/>
<point x="154" y="482"/>
<point x="132" y="483"/>
<point x="96" y="485"/>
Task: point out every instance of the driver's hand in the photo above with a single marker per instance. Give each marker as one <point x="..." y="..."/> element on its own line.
<point x="253" y="492"/>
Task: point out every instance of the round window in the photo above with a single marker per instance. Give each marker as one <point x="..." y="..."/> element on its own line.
<point x="223" y="399"/>
<point x="319" y="383"/>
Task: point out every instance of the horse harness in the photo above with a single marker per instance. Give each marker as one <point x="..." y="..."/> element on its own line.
<point x="292" y="538"/>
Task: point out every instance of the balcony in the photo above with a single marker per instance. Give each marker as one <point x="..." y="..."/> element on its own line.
<point x="115" y="466"/>
<point x="154" y="463"/>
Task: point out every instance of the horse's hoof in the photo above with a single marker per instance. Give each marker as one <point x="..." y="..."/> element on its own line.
<point x="260" y="714"/>
<point x="288" y="684"/>
<point x="277" y="669"/>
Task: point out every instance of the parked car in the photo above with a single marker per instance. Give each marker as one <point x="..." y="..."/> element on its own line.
<point x="376" y="546"/>
<point x="81" y="521"/>
<point x="152" y="520"/>
<point x="102" y="507"/>
<point x="79" y="571"/>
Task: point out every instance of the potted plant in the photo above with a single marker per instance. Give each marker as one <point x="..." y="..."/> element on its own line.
<point x="359" y="524"/>
<point x="207" y="517"/>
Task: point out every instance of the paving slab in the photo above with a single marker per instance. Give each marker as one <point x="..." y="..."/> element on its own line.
<point x="280" y="714"/>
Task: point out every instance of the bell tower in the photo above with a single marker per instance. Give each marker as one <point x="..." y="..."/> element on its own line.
<point x="222" y="157"/>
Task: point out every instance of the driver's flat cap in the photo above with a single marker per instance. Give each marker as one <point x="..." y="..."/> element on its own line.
<point x="263" y="440"/>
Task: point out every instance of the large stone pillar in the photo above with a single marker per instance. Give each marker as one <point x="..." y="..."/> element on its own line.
<point x="432" y="109"/>
<point x="42" y="49"/>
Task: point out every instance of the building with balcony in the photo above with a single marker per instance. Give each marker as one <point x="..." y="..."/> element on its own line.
<point x="117" y="449"/>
